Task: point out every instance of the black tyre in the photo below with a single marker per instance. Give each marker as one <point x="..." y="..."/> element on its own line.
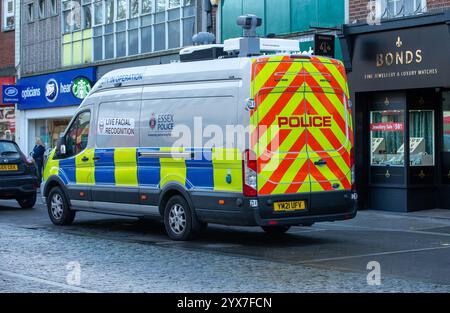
<point x="27" y="202"/>
<point x="275" y="229"/>
<point x="179" y="222"/>
<point x="58" y="208"/>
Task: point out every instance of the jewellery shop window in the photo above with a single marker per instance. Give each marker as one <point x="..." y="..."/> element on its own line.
<point x="421" y="138"/>
<point x="387" y="138"/>
<point x="446" y="121"/>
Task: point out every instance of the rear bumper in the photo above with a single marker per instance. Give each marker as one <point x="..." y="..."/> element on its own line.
<point x="17" y="186"/>
<point x="238" y="210"/>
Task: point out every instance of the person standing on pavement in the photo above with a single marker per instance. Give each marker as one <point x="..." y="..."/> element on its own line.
<point x="38" y="156"/>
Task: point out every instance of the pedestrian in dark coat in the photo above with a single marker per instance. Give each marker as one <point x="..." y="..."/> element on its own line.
<point x="38" y="156"/>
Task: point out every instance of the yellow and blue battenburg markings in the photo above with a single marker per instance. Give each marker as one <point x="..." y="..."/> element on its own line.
<point x="206" y="169"/>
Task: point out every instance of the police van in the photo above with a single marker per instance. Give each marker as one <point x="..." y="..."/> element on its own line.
<point x="257" y="137"/>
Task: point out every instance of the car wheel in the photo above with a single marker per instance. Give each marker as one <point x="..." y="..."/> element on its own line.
<point x="58" y="208"/>
<point x="27" y="202"/>
<point x="178" y="219"/>
<point x="275" y="229"/>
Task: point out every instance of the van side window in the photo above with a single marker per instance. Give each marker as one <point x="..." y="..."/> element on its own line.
<point x="118" y="124"/>
<point x="77" y="136"/>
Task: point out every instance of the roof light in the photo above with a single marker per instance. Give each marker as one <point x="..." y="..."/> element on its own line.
<point x="265" y="45"/>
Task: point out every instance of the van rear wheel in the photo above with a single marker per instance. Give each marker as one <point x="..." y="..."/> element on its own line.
<point x="58" y="208"/>
<point x="275" y="229"/>
<point x="178" y="219"/>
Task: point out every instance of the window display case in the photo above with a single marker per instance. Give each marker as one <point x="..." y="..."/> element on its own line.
<point x="387" y="137"/>
<point x="421" y="138"/>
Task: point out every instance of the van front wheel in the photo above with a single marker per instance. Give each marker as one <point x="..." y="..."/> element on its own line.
<point x="178" y="219"/>
<point x="58" y="208"/>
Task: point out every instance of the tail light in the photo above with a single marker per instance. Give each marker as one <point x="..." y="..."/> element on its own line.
<point x="249" y="174"/>
<point x="27" y="160"/>
<point x="352" y="166"/>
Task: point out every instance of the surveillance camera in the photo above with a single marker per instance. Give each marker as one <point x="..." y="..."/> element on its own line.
<point x="249" y="21"/>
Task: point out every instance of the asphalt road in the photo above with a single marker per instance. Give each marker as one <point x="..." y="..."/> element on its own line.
<point x="116" y="254"/>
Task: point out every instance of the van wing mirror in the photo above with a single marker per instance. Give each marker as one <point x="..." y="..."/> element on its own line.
<point x="61" y="147"/>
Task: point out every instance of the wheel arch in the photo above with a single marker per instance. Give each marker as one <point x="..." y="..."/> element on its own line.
<point x="171" y="190"/>
<point x="55" y="181"/>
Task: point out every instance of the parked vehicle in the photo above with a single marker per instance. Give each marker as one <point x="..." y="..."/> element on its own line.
<point x="18" y="178"/>
<point x="119" y="154"/>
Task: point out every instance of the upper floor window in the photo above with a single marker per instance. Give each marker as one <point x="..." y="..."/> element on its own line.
<point x="134" y="8"/>
<point x="53" y="7"/>
<point x="8" y="15"/>
<point x="174" y="4"/>
<point x="399" y="8"/>
<point x="72" y="15"/>
<point x="41" y="8"/>
<point x="129" y="27"/>
<point x="147" y="6"/>
<point x="30" y="12"/>
<point x="119" y="28"/>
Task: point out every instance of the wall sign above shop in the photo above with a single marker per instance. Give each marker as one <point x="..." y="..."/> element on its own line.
<point x="7" y="89"/>
<point x="53" y="90"/>
<point x="324" y="45"/>
<point x="81" y="87"/>
<point x="415" y="57"/>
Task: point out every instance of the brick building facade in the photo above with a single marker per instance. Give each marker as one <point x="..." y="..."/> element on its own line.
<point x="7" y="40"/>
<point x="358" y="9"/>
<point x="7" y="67"/>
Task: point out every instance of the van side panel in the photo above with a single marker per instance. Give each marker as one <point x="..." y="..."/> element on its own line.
<point x="183" y="121"/>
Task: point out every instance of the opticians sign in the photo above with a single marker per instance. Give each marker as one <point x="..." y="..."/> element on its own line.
<point x="51" y="90"/>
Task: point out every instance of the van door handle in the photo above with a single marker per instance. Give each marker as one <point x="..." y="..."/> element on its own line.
<point x="321" y="162"/>
<point x="85" y="159"/>
<point x="96" y="158"/>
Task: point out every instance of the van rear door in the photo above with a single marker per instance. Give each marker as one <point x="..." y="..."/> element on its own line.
<point x="278" y="136"/>
<point x="328" y="134"/>
<point x="301" y="125"/>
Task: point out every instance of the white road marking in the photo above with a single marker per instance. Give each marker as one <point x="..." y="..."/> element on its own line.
<point x="47" y="282"/>
<point x="371" y="254"/>
<point x="368" y="228"/>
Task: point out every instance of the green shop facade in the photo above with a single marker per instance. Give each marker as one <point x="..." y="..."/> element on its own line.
<point x="399" y="77"/>
<point x="295" y="19"/>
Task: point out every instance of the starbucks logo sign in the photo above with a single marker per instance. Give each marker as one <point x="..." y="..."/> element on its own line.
<point x="81" y="87"/>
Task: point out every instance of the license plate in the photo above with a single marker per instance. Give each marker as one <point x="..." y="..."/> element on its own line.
<point x="8" y="167"/>
<point x="289" y="206"/>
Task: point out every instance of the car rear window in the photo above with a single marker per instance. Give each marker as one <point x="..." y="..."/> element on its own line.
<point x="8" y="148"/>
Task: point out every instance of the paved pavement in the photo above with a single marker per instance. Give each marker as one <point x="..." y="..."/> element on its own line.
<point x="116" y="254"/>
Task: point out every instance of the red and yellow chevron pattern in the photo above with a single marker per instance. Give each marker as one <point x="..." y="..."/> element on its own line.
<point x="301" y="127"/>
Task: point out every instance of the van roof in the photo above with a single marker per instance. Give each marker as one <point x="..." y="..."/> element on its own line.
<point x="218" y="69"/>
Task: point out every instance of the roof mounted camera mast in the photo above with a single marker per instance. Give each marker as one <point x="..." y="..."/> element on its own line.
<point x="250" y="43"/>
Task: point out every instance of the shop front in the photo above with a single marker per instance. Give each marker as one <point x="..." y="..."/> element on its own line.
<point x="7" y="112"/>
<point x="399" y="78"/>
<point x="47" y="103"/>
